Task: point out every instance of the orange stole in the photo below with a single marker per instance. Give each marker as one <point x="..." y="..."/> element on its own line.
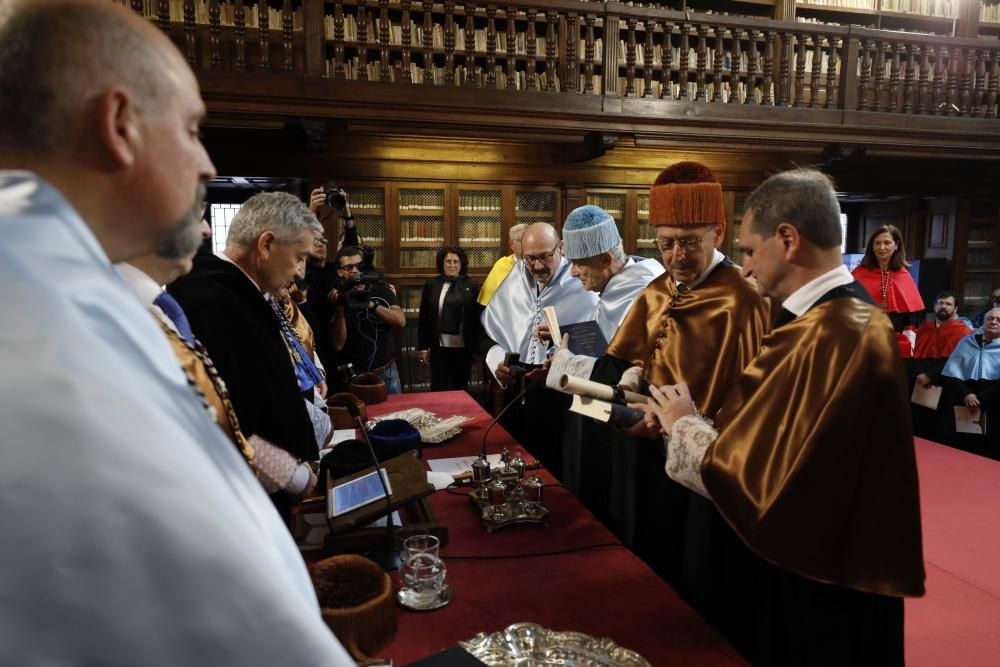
<point x="195" y="369"/>
<point x="814" y="466"/>
<point x="704" y="337"/>
<point x="301" y="326"/>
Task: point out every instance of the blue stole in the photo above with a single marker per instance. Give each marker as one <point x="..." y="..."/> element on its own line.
<point x="970" y="361"/>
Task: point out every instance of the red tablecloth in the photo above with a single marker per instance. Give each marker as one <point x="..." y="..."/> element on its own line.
<point x="598" y="587"/>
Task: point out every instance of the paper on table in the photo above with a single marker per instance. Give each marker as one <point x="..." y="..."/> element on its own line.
<point x="339" y="436"/>
<point x="459" y="464"/>
<point x="967" y="420"/>
<point x="926" y="396"/>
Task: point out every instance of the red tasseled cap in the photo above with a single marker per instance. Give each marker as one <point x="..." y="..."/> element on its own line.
<point x="686" y="193"/>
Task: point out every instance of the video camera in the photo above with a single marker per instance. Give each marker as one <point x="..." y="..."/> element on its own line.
<point x="355" y="297"/>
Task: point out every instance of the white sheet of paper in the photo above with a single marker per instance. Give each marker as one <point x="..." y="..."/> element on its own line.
<point x="967" y="420"/>
<point x="459" y="464"/>
<point x="339" y="436"/>
<point x="440" y="480"/>
<point x="926" y="396"/>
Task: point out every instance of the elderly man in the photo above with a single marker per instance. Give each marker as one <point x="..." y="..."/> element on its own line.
<point x="935" y="342"/>
<point x="543" y="278"/>
<point x="594" y="248"/>
<point x="154" y="532"/>
<point x="228" y="300"/>
<point x="701" y="323"/>
<point x="502" y="266"/>
<point x="972" y="377"/>
<point x="810" y="458"/>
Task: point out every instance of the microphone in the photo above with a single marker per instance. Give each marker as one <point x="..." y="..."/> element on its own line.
<point x="387" y="556"/>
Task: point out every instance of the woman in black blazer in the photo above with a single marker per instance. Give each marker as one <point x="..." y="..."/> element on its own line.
<point x="448" y="330"/>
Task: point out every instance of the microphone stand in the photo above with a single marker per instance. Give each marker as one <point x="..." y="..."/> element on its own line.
<point x="500" y="414"/>
<point x="386" y="556"/>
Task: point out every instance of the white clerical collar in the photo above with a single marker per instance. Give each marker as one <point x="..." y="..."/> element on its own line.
<point x="145" y="287"/>
<point x="717" y="258"/>
<point x="223" y="256"/>
<point x="804" y="297"/>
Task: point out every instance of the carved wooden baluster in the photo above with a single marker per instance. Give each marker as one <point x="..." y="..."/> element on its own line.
<point x="470" y="45"/>
<point x="769" y="38"/>
<point x="667" y="77"/>
<point x="879" y="76"/>
<point x="700" y="89"/>
<point x="937" y="92"/>
<point x="240" y="33"/>
<point x="449" y="41"/>
<point x="911" y="64"/>
<point x="785" y="73"/>
<point x="866" y="72"/>
<point x="407" y="37"/>
<point x="588" y="54"/>
<point x="970" y="67"/>
<point x="190" y="33"/>
<point x="817" y="70"/>
<point x="287" y="33"/>
<point x="994" y="96"/>
<point x="831" y="73"/>
<point x="978" y="97"/>
<point x="630" y="58"/>
<point x="751" y="97"/>
<point x="531" y="44"/>
<point x="922" y="81"/>
<point x="264" y="33"/>
<point x="137" y="7"/>
<point x="682" y="74"/>
<point x="551" y="41"/>
<point x="953" y="60"/>
<point x="163" y="15"/>
<point x="362" y="23"/>
<point x="893" y="78"/>
<point x="491" y="46"/>
<point x="338" y="40"/>
<point x="735" y="75"/>
<point x="648" y="27"/>
<point x="383" y="40"/>
<point x="214" y="32"/>
<point x="717" y="66"/>
<point x="512" y="48"/>
<point x="572" y="45"/>
<point x="428" y="41"/>
<point x="800" y="69"/>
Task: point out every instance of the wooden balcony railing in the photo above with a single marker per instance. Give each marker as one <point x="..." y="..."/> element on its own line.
<point x="568" y="47"/>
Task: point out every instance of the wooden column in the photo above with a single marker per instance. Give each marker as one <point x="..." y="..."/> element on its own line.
<point x="313" y="37"/>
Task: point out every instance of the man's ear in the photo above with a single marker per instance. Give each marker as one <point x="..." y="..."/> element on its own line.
<point x="265" y="243"/>
<point x="118" y="127"/>
<point x="790" y="240"/>
<point x="720" y="234"/>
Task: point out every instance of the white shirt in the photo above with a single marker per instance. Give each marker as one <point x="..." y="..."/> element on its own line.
<point x="133" y="531"/>
<point x="804" y="297"/>
<point x="449" y="340"/>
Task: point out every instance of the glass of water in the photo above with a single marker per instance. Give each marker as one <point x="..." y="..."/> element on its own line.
<point x="423" y="577"/>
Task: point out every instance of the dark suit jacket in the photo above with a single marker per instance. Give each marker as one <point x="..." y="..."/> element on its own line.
<point x="240" y="331"/>
<point x="428" y="333"/>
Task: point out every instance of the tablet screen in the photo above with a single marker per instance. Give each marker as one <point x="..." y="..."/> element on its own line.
<point x="357" y="493"/>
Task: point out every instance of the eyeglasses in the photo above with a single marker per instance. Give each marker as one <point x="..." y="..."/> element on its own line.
<point x="687" y="244"/>
<point x="350" y="267"/>
<point x="543" y="258"/>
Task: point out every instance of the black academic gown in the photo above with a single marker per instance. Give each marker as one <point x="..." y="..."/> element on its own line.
<point x="238" y="327"/>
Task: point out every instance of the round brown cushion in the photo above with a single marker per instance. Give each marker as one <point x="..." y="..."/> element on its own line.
<point x="355" y="598"/>
<point x="339" y="415"/>
<point x="369" y="388"/>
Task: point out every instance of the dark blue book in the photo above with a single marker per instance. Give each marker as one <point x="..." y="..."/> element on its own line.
<point x="585" y="338"/>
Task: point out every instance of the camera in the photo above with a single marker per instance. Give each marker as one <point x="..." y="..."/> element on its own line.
<point x="336" y="198"/>
<point x="512" y="360"/>
<point x="359" y="297"/>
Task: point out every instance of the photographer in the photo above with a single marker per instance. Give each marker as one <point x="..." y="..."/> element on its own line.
<point x="366" y="314"/>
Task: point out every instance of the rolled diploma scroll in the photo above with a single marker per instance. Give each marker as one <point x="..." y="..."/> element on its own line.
<point x="575" y="385"/>
<point x="550" y="318"/>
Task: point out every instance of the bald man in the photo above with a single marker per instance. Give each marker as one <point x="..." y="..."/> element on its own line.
<point x="542" y="278"/>
<point x="141" y="534"/>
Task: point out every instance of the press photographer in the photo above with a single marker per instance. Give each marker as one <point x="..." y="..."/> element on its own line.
<point x="366" y="315"/>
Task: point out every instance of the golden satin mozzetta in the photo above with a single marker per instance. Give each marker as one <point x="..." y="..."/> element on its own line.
<point x="815" y="458"/>
<point x="704" y="337"/>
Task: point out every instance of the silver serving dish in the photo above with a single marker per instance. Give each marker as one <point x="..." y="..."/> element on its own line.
<point x="530" y="645"/>
<point x="433" y="429"/>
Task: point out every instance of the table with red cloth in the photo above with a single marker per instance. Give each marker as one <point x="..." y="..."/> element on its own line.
<point x="572" y="575"/>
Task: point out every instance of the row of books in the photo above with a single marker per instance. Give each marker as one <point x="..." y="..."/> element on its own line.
<point x="948" y="8"/>
<point x="479" y="230"/>
<point x="227" y="13"/>
<point x="853" y="4"/>
<point x="741" y="90"/>
<point x="437" y="36"/>
<point x="990" y="13"/>
<point x="460" y="75"/>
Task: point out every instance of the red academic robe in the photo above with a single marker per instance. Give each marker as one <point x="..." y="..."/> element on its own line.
<point x="937" y="342"/>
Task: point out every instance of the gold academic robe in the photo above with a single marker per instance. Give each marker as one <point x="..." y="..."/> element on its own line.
<point x="704" y="337"/>
<point x="301" y="326"/>
<point x="814" y="465"/>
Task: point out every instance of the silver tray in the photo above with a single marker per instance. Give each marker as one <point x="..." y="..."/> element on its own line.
<point x="433" y="429"/>
<point x="527" y="644"/>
